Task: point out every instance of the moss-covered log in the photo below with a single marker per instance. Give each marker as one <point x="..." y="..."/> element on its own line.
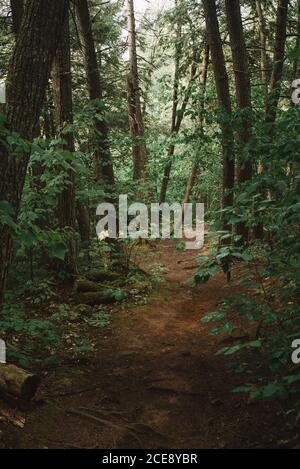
<point x="17" y="382"/>
<point x="89" y="285"/>
<point x="103" y="276"/>
<point x="83" y="285"/>
<point x="103" y="297"/>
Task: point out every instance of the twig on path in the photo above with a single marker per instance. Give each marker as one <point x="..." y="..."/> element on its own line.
<point x="174" y="390"/>
<point x="104" y="412"/>
<point x="89" y="416"/>
<point x="135" y="426"/>
<point x="72" y="393"/>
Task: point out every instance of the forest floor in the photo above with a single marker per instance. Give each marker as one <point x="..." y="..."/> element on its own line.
<point x="155" y="380"/>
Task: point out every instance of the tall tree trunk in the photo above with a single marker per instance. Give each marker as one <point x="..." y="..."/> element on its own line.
<point x="62" y="88"/>
<point x="243" y="94"/>
<point x="171" y="149"/>
<point x="203" y="82"/>
<point x="275" y="83"/>
<point x="28" y="77"/>
<point x="136" y="122"/>
<point x="263" y="47"/>
<point x="297" y="46"/>
<point x="102" y="156"/>
<point x="222" y="87"/>
<point x="278" y="61"/>
<point x="152" y="62"/>
<point x="17" y="10"/>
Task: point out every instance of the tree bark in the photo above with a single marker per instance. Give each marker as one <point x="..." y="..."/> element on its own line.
<point x="223" y="94"/>
<point x="83" y="220"/>
<point x="102" y="155"/>
<point x="278" y="61"/>
<point x="136" y="122"/>
<point x="28" y="77"/>
<point x="275" y="83"/>
<point x="297" y="46"/>
<point x="263" y="46"/>
<point x="62" y="88"/>
<point x="17" y="10"/>
<point x="243" y="94"/>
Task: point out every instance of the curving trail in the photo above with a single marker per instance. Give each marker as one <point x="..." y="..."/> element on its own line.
<point x="156" y="381"/>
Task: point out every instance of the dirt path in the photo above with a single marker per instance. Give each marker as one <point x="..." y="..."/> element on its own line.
<point x="156" y="381"/>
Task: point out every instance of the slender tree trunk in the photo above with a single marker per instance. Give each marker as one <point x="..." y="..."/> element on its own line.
<point x="243" y="94"/>
<point x="297" y="46"/>
<point x="222" y="87"/>
<point x="136" y="122"/>
<point x="171" y="149"/>
<point x="83" y="220"/>
<point x="203" y="82"/>
<point x="17" y="10"/>
<point x="48" y="126"/>
<point x="28" y="77"/>
<point x="275" y="84"/>
<point x="278" y="61"/>
<point x="152" y="60"/>
<point x="62" y="88"/>
<point x="263" y="46"/>
<point x="102" y="156"/>
<point x="166" y="175"/>
<point x="191" y="182"/>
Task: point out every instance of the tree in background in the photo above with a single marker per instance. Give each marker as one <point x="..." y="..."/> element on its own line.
<point x="223" y="94"/>
<point x="243" y="95"/>
<point x="102" y="155"/>
<point x="62" y="88"/>
<point x="28" y="77"/>
<point x="263" y="47"/>
<point x="136" y="121"/>
<point x="278" y="60"/>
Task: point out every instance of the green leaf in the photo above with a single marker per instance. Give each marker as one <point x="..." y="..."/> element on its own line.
<point x="214" y="316"/>
<point x="272" y="389"/>
<point x="58" y="250"/>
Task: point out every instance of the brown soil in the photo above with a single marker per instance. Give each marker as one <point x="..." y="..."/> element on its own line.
<point x="155" y="382"/>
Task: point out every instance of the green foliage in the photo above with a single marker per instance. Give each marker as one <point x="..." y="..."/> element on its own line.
<point x="269" y="271"/>
<point x="99" y="319"/>
<point x="35" y="338"/>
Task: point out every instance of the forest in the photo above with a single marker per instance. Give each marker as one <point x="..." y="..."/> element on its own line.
<point x="115" y="332"/>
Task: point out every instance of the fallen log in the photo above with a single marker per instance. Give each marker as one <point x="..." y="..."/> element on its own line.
<point x="103" y="276"/>
<point x="96" y="298"/>
<point x="83" y="285"/>
<point x="17" y="382"/>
